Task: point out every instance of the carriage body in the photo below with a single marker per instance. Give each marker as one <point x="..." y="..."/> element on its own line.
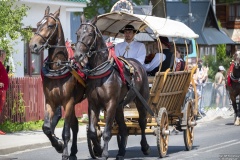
<point x="171" y="99"/>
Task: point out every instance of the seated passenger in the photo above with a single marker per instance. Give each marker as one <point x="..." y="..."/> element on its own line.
<point x="153" y="61"/>
<point x="179" y="62"/>
<point x="168" y="62"/>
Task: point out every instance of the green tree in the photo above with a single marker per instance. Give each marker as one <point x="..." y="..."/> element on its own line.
<point x="11" y="24"/>
<point x="97" y="7"/>
<point x="221" y="60"/>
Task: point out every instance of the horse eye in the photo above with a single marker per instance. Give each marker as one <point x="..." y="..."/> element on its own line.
<point x="90" y="34"/>
<point x="50" y="26"/>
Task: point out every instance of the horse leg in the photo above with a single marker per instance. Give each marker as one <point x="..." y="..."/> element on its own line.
<point x="57" y="116"/>
<point x="74" y="127"/>
<point x="142" y="123"/>
<point x="234" y="104"/>
<point x="122" y="133"/>
<point x="237" y="115"/>
<point x="66" y="135"/>
<point x="48" y="128"/>
<point x="110" y="116"/>
<point x="92" y="132"/>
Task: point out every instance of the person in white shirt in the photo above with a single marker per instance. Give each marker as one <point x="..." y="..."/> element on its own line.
<point x="132" y="49"/>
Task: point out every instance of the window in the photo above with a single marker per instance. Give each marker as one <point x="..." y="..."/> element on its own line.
<point x="234" y="12"/>
<point x="32" y="61"/>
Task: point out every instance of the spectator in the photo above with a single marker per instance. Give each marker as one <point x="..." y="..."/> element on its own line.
<point x="3" y="82"/>
<point x="219" y="85"/>
<point x="201" y="77"/>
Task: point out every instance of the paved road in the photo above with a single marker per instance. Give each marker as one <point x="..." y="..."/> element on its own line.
<point x="213" y="139"/>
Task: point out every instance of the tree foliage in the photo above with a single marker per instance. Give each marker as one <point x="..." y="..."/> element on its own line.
<point x="220" y="60"/>
<point x="11" y="24"/>
<point x="97" y="7"/>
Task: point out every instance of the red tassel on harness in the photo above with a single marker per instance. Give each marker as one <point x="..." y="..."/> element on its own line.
<point x="117" y="61"/>
<point x="228" y="75"/>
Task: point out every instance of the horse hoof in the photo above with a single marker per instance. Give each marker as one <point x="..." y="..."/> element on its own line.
<point x="59" y="149"/>
<point x="119" y="158"/>
<point x="236" y="124"/>
<point x="146" y="150"/>
<point x="73" y="157"/>
<point x="65" y="157"/>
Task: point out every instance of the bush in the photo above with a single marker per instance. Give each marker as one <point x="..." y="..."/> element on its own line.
<point x="221" y="60"/>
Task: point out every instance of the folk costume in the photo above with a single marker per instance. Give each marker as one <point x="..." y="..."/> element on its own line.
<point x="133" y="49"/>
<point x="4" y="80"/>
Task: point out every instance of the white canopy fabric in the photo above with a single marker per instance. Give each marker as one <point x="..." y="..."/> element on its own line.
<point x="110" y="24"/>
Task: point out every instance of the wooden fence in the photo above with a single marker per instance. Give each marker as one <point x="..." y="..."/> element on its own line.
<point x="25" y="101"/>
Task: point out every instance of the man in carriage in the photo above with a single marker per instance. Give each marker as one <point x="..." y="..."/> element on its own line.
<point x="133" y="49"/>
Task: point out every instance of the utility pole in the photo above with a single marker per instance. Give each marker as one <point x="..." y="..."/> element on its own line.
<point x="189" y="13"/>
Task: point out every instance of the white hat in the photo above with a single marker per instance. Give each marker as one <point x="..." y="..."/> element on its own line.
<point x="221" y="68"/>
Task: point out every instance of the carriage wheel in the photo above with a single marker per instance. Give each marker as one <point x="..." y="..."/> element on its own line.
<point x="162" y="132"/>
<point x="188" y="133"/>
<point x="93" y="153"/>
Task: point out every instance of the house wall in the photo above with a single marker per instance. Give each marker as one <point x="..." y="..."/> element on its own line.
<point x="34" y="15"/>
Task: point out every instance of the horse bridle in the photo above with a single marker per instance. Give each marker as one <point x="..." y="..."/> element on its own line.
<point x="90" y="51"/>
<point x="46" y="45"/>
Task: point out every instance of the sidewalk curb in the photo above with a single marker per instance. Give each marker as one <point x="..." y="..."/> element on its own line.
<point x="7" y="151"/>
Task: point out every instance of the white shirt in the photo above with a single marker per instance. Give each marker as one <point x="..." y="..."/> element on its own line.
<point x="158" y="58"/>
<point x="134" y="50"/>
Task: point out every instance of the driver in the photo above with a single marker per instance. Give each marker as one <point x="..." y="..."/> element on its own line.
<point x="133" y="49"/>
<point x="130" y="48"/>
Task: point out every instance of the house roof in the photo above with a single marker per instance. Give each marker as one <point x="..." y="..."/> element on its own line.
<point x="203" y="22"/>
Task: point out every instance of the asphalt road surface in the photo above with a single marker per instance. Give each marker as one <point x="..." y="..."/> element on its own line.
<point x="214" y="140"/>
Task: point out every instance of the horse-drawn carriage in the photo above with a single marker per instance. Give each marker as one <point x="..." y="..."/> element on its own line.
<point x="171" y="101"/>
<point x="108" y="88"/>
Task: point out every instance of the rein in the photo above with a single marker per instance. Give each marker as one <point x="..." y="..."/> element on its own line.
<point x="46" y="45"/>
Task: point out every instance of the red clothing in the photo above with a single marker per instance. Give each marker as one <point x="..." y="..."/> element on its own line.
<point x="5" y="81"/>
<point x="3" y="77"/>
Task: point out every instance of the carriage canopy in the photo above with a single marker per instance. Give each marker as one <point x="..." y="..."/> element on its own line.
<point x="110" y="24"/>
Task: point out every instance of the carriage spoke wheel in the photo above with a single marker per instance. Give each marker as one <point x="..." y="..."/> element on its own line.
<point x="92" y="152"/>
<point x="162" y="129"/>
<point x="188" y="134"/>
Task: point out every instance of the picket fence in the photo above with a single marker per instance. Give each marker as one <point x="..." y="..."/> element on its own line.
<point x="25" y="101"/>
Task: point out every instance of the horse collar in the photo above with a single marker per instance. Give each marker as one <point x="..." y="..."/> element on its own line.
<point x="100" y="71"/>
<point x="234" y="79"/>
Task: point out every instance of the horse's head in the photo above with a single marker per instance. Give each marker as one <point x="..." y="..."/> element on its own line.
<point x="87" y="35"/>
<point x="237" y="59"/>
<point x="47" y="29"/>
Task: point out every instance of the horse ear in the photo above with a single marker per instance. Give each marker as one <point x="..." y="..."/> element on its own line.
<point x="57" y="13"/>
<point x="94" y="20"/>
<point x="47" y="10"/>
<point x="82" y="18"/>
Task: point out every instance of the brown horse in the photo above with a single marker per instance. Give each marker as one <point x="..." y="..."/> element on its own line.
<point x="106" y="89"/>
<point x="233" y="86"/>
<point x="62" y="89"/>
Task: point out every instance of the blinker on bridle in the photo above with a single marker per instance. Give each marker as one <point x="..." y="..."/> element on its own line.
<point x="46" y="45"/>
<point x="89" y="52"/>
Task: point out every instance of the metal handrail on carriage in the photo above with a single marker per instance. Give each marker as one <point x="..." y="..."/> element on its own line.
<point x="169" y="94"/>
